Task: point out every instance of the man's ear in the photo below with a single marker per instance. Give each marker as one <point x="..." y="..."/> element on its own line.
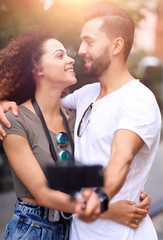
<point x="118" y="44"/>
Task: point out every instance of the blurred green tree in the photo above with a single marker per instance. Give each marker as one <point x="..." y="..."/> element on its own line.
<point x="17" y="15"/>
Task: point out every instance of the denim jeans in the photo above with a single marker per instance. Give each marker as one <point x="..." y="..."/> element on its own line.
<point x="30" y="222"/>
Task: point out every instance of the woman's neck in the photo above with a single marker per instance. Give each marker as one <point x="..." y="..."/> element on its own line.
<point x="49" y="102"/>
<point x="50" y="108"/>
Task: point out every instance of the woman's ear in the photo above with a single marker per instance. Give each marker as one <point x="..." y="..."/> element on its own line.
<point x="39" y="74"/>
<point x="118" y="44"/>
<point x="37" y="71"/>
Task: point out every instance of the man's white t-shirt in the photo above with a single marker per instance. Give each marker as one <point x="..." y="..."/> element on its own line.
<point x="131" y="107"/>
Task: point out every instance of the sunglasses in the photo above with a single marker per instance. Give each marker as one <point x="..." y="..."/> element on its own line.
<point x="84" y="120"/>
<point x="62" y="140"/>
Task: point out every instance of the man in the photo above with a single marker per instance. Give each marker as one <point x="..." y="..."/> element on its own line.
<point x="121" y="124"/>
<point x="120" y="127"/>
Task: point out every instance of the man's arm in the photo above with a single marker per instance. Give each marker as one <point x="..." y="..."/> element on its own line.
<point x="69" y="101"/>
<point x="125" y="146"/>
<point x="6" y="106"/>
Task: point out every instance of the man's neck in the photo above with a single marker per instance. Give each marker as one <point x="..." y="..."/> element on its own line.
<point x="113" y="79"/>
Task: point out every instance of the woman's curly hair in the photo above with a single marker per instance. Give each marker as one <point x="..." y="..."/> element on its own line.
<point x="18" y="60"/>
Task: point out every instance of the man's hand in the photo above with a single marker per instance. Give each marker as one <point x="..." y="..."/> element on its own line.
<point x="89" y="208"/>
<point x="5" y="106"/>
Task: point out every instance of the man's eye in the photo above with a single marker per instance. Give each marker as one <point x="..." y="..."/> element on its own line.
<point x="89" y="43"/>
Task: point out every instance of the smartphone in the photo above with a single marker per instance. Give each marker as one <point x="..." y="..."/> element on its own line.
<point x="70" y="179"/>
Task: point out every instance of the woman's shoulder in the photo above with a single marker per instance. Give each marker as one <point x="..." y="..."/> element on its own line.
<point x="22" y="121"/>
<point x="11" y="117"/>
<point x="23" y="113"/>
<point x="18" y="125"/>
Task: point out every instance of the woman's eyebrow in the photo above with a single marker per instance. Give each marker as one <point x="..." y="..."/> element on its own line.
<point x="57" y="50"/>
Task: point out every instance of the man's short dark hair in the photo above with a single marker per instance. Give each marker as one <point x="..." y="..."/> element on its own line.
<point x="116" y="23"/>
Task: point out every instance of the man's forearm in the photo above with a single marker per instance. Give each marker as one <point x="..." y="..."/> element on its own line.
<point x="125" y="146"/>
<point x="115" y="174"/>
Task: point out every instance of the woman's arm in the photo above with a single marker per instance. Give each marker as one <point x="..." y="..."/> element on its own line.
<point x="30" y="173"/>
<point x="127" y="212"/>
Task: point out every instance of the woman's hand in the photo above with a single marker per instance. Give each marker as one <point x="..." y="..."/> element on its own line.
<point x="145" y="201"/>
<point x="127" y="212"/>
<point x="5" y="106"/>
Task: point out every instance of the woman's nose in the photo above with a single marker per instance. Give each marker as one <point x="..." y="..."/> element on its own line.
<point x="71" y="60"/>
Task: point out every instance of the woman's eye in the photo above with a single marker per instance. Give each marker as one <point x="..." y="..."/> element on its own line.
<point x="60" y="55"/>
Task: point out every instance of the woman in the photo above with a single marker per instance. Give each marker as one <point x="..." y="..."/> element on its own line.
<point x="35" y="66"/>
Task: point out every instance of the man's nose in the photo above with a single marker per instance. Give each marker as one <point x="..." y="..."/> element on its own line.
<point x="82" y="49"/>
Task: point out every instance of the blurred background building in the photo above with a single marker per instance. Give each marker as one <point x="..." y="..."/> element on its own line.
<point x="158" y="51"/>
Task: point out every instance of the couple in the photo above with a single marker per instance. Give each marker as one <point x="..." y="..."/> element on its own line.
<point x="117" y="125"/>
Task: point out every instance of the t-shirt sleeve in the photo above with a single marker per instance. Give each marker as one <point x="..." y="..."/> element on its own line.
<point x="69" y="101"/>
<point x="72" y="100"/>
<point x="17" y="125"/>
<point x="142" y="117"/>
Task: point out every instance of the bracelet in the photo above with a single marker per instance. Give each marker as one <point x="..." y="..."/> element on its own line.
<point x="103" y="198"/>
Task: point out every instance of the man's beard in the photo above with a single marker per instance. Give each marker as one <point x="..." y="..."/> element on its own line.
<point x="99" y="65"/>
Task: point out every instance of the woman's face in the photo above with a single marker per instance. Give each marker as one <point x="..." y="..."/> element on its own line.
<point x="56" y="65"/>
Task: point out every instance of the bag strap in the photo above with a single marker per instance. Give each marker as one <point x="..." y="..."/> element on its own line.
<point x="51" y="145"/>
<point x="69" y="133"/>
